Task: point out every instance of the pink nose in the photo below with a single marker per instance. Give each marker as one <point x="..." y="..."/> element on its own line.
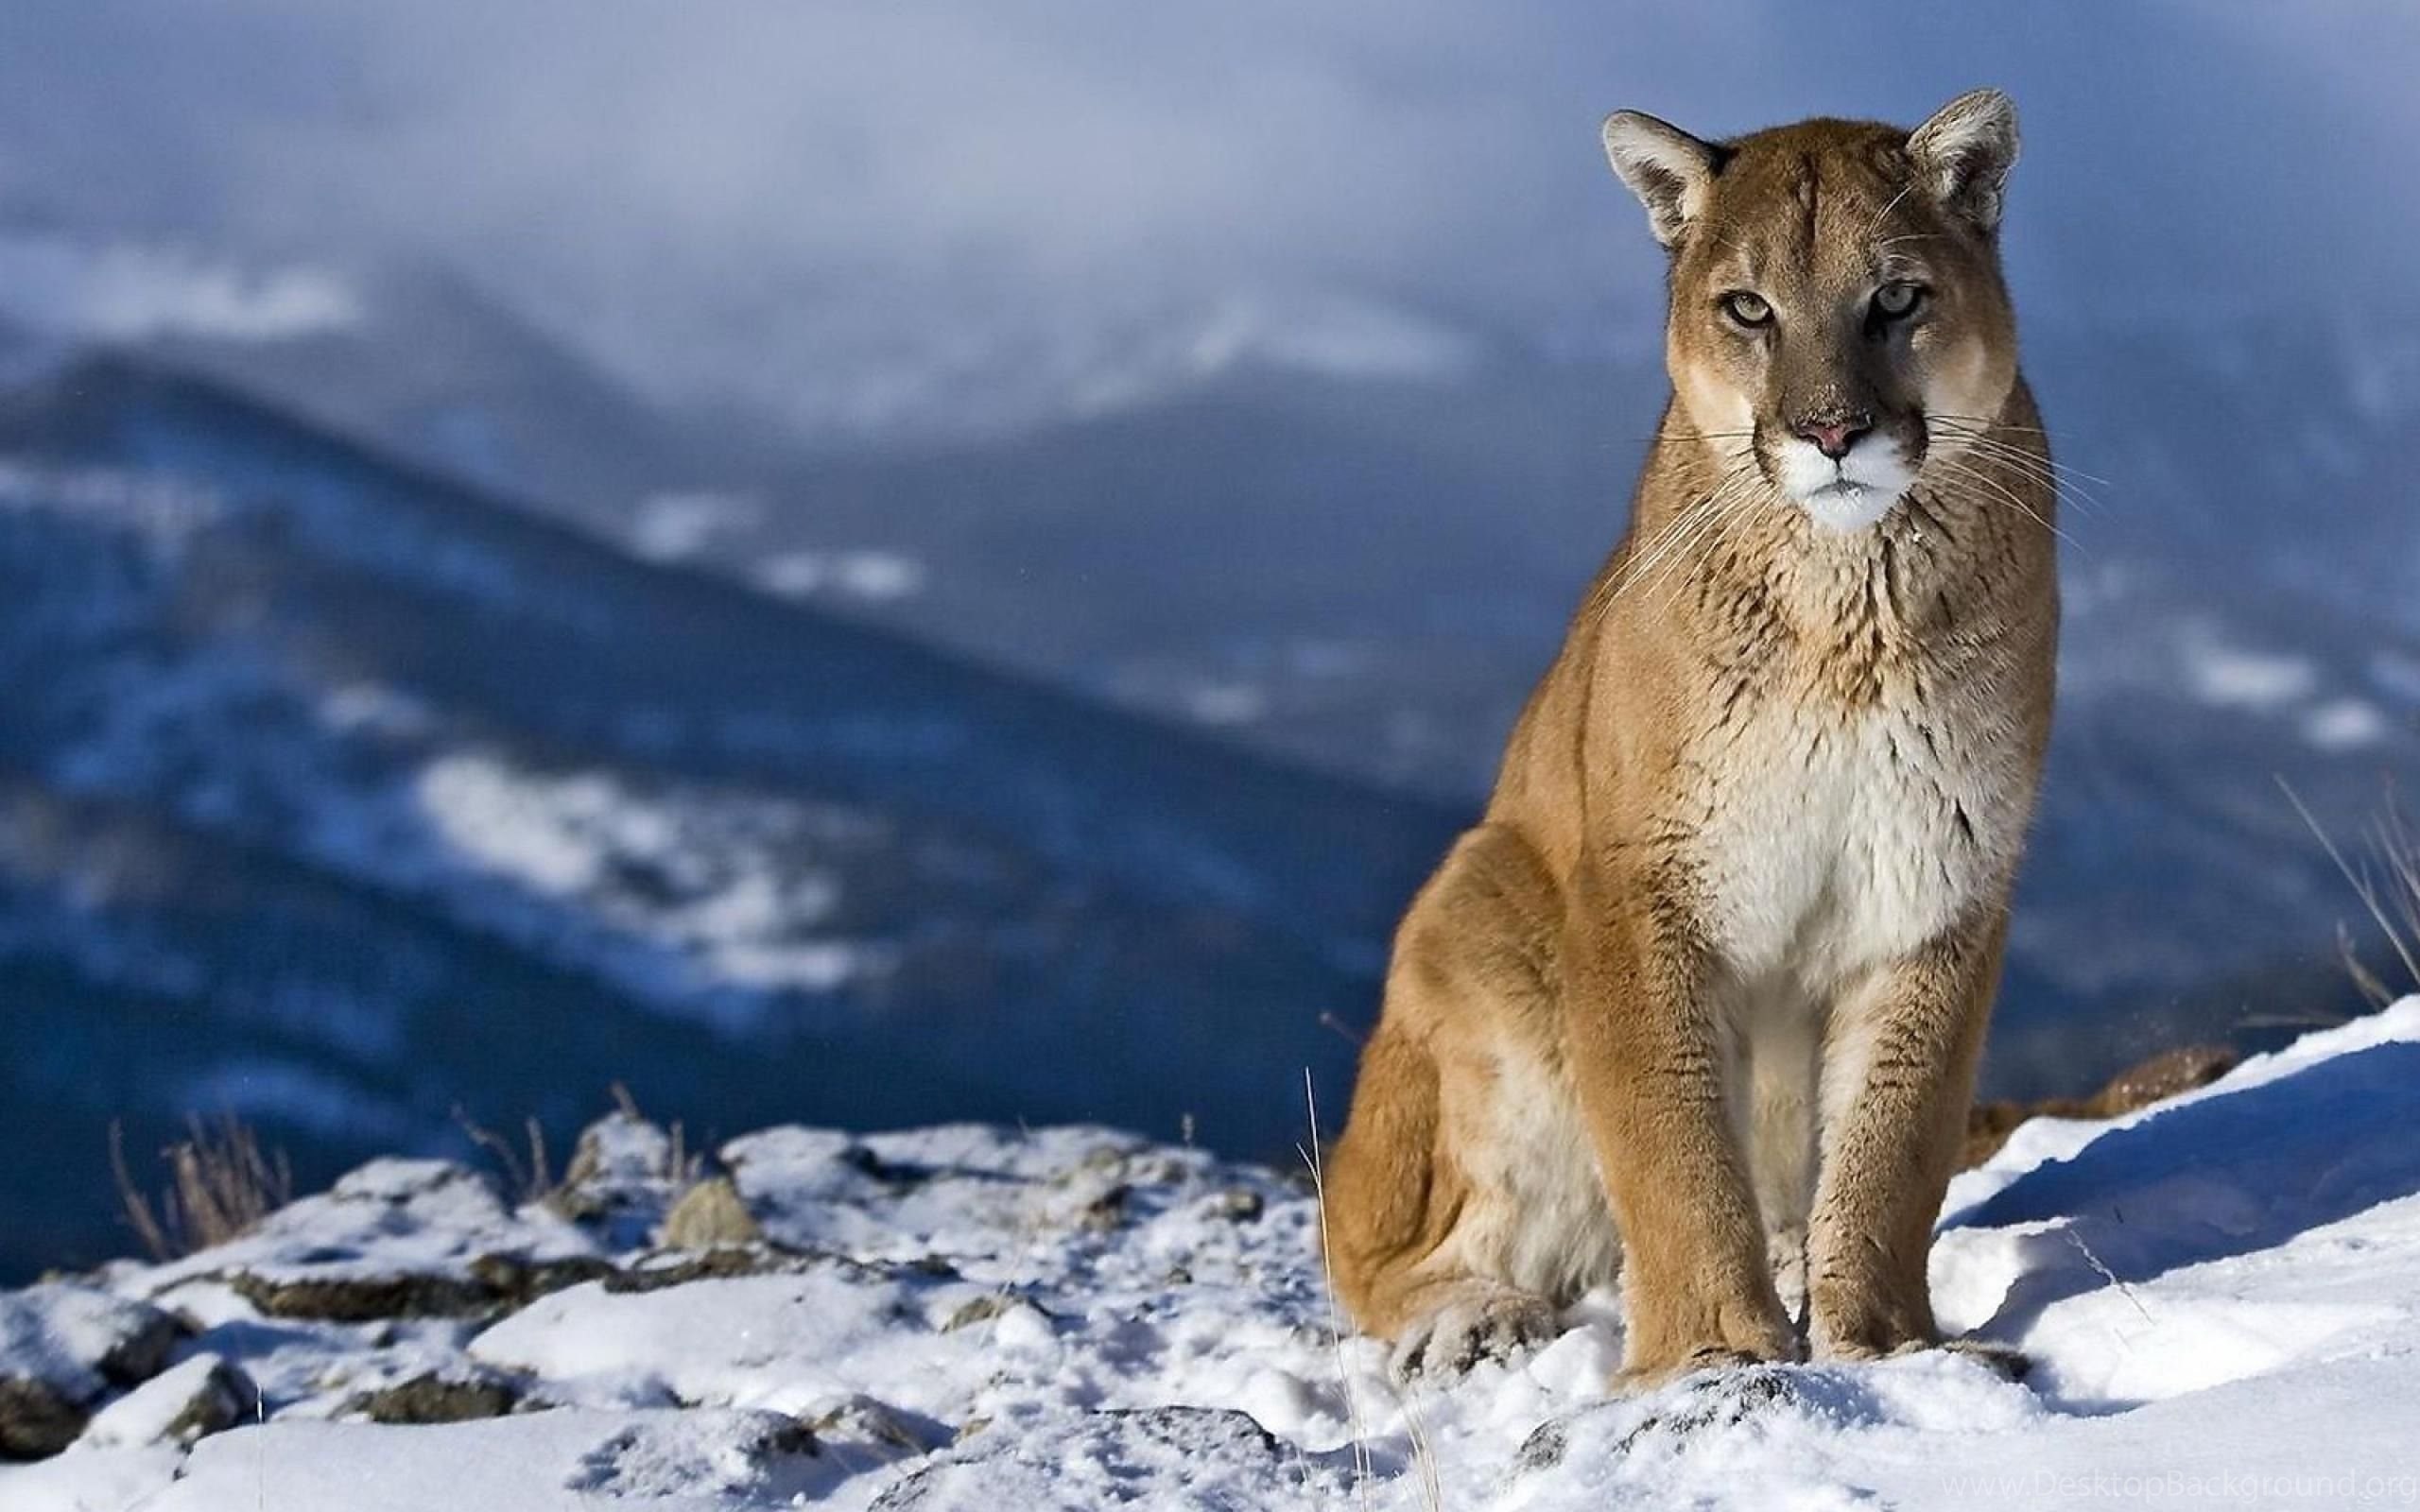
<point x="1833" y="438"/>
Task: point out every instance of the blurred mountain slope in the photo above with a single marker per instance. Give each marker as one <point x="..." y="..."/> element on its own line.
<point x="340" y="795"/>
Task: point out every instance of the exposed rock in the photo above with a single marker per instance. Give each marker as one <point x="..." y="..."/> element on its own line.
<point x="2164" y="1075"/>
<point x="1545" y="1447"/>
<point x="1106" y="1209"/>
<point x="495" y="1283"/>
<point x="992" y="1305"/>
<point x="2171" y="1072"/>
<point x="1715" y="1403"/>
<point x="37" y="1419"/>
<point x="437" y="1399"/>
<point x="711" y="1216"/>
<point x="516" y="1280"/>
<point x="863" y="1427"/>
<point x="1238" y="1204"/>
<point x="200" y="1396"/>
<point x="749" y="1458"/>
<point x="1989" y="1124"/>
<point x="402" y="1239"/>
<point x="894" y="1174"/>
<point x="145" y="1335"/>
<point x="363" y="1298"/>
<point x="61" y="1347"/>
<point x="216" y="1402"/>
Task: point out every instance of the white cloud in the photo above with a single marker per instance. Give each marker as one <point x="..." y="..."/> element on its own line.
<point x="121" y="291"/>
<point x="865" y="208"/>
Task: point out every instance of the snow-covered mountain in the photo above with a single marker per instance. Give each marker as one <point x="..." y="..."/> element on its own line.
<point x="336" y="794"/>
<point x="430" y="367"/>
<point x="2219" y="1297"/>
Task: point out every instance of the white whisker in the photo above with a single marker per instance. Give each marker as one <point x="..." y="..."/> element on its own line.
<point x="2033" y="468"/>
<point x="1670" y="542"/>
<point x="1709" y="535"/>
<point x="1876" y="223"/>
<point x="1977" y="475"/>
<point x="1738" y="493"/>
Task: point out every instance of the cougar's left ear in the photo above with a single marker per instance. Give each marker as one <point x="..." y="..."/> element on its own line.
<point x="1964" y="152"/>
<point x="1669" y="170"/>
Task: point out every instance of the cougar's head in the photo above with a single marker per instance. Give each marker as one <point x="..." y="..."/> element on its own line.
<point x="1837" y="314"/>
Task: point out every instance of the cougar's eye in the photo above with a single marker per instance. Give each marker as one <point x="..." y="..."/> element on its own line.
<point x="1748" y="309"/>
<point x="1897" y="299"/>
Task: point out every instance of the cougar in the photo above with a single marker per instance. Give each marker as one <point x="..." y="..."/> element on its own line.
<point x="1698" y="1002"/>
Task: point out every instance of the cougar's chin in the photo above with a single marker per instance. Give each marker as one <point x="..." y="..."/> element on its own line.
<point x="1848" y="506"/>
<point x="1850" y="493"/>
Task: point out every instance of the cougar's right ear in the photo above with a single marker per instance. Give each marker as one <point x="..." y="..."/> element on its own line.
<point x="1669" y="170"/>
<point x="1964" y="152"/>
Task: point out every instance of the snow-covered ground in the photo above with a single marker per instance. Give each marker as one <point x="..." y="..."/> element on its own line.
<point x="2221" y="1295"/>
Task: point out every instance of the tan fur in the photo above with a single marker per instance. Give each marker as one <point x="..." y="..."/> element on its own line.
<point x="1709" y="982"/>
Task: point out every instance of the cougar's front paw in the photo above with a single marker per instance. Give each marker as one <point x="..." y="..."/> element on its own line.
<point x="1866" y="1323"/>
<point x="2005" y="1360"/>
<point x="1745" y="1334"/>
<point x="1480" y="1325"/>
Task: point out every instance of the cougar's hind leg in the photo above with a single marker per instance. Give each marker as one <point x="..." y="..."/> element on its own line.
<point x="1464" y="1208"/>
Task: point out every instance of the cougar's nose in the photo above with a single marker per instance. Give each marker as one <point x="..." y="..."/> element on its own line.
<point x="1833" y="435"/>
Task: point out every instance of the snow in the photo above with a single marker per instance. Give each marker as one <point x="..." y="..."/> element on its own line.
<point x="661" y="1460"/>
<point x="62" y="1335"/>
<point x="392" y="1217"/>
<point x="159" y="508"/>
<point x="794" y="1344"/>
<point x="1227" y="703"/>
<point x="2237" y="677"/>
<point x="873" y="576"/>
<point x="691" y="524"/>
<point x="2347" y="724"/>
<point x="677" y="525"/>
<point x="114" y="1480"/>
<point x="159" y="1409"/>
<point x="2221" y="1295"/>
<point x="724" y="886"/>
<point x="2279" y="684"/>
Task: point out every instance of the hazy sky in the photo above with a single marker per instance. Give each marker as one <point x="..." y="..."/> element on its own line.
<point x="877" y="201"/>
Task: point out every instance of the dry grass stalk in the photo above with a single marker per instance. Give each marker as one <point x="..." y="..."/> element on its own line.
<point x="683" y="1168"/>
<point x="2387" y="881"/>
<point x="220" y="1186"/>
<point x="1363" y="1470"/>
<point x="527" y="1173"/>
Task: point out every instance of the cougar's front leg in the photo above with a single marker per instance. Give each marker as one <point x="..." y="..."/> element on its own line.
<point x="1898" y="1074"/>
<point x="1648" y="1061"/>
